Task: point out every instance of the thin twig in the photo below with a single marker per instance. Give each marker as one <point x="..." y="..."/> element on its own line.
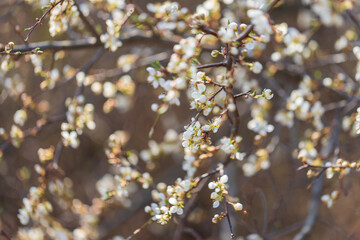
<point x="59" y="148"/>
<point x="4" y="234"/>
<point x="40" y="124"/>
<point x="208" y="30"/>
<point x="228" y="219"/>
<point x="39" y="21"/>
<point x="139" y="229"/>
<point x="210" y="65"/>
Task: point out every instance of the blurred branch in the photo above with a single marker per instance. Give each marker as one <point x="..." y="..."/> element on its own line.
<point x="264" y="205"/>
<point x="193" y="233"/>
<point x="110" y="73"/>
<point x="87" y="67"/>
<point x="89" y="26"/>
<point x="283" y="231"/>
<point x="87" y="43"/>
<point x="40" y="124"/>
<point x="139" y="229"/>
<point x="189" y="206"/>
<point x="210" y="65"/>
<point x="316" y="187"/>
<point x="4" y="234"/>
<point x="353" y="19"/>
<point x="313" y="210"/>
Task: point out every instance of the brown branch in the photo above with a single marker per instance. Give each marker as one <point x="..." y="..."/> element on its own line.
<point x="89" y="26"/>
<point x="87" y="67"/>
<point x="353" y="19"/>
<point x="316" y="186"/>
<point x="39" y="21"/>
<point x="40" y="124"/>
<point x="264" y="205"/>
<point x="4" y="234"/>
<point x="34" y="51"/>
<point x="208" y="30"/>
<point x="228" y="219"/>
<point x="58" y="151"/>
<point x="87" y="43"/>
<point x="188" y="207"/>
<point x="210" y="65"/>
<point x="111" y="73"/>
<point x="313" y="210"/>
<point x="139" y="229"/>
<point x="242" y="94"/>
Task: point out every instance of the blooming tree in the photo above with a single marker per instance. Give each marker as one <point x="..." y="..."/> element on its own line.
<point x="187" y="105"/>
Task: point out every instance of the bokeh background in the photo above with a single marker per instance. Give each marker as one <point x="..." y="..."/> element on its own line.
<point x="277" y="200"/>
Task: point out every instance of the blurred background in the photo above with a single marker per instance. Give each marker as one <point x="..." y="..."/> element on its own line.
<point x="277" y="200"/>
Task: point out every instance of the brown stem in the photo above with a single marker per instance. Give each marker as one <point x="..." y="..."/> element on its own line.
<point x="210" y="65"/>
<point x="228" y="218"/>
<point x="208" y="30"/>
<point x="39" y="21"/>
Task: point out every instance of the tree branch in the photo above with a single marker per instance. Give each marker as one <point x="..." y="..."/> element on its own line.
<point x="89" y="26"/>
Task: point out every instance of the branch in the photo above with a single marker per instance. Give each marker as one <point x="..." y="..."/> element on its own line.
<point x="86" y="22"/>
<point x="210" y="65"/>
<point x="139" y="229"/>
<point x="40" y="124"/>
<point x="316" y="187"/>
<point x="39" y="21"/>
<point x="208" y="30"/>
<point x="313" y="210"/>
<point x="242" y="94"/>
<point x="87" y="43"/>
<point x="264" y="205"/>
<point x="189" y="206"/>
<point x="353" y="19"/>
<point x="4" y="234"/>
<point x="228" y="219"/>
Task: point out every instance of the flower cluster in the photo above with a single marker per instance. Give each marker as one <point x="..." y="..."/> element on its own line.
<point x="220" y="55"/>
<point x="34" y="207"/>
<point x="220" y="191"/>
<point x="169" y="16"/>
<point x="230" y="146"/>
<point x="170" y="200"/>
<point x="168" y="146"/>
<point x="260" y="21"/>
<point x="61" y="17"/>
<point x="256" y="162"/>
<point x="78" y="116"/>
<point x="329" y="199"/>
<point x="193" y="136"/>
<point x="220" y="194"/>
<point x="125" y="170"/>
<point x="118" y="94"/>
<point x="111" y="37"/>
<point x="180" y="64"/>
